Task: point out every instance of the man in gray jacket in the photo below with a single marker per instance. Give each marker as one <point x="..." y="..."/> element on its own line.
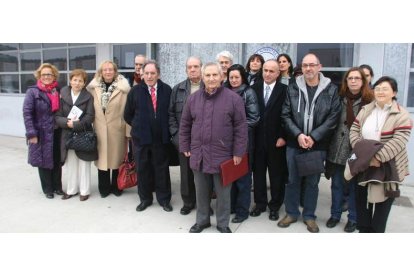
<point x="178" y="98"/>
<point x="310" y="113"/>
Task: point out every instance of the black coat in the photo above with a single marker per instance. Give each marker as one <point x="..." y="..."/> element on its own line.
<point x="270" y="128"/>
<point x="323" y="117"/>
<point x="85" y="103"/>
<point x="139" y="112"/>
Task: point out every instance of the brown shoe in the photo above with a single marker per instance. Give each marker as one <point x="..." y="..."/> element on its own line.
<point x="83" y="197"/>
<point x="286" y="221"/>
<point x="66" y="196"/>
<point x="311" y="226"/>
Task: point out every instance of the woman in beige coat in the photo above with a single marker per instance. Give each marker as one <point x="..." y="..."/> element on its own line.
<point x="110" y="90"/>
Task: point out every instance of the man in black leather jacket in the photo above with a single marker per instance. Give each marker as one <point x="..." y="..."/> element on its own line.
<point x="310" y="114"/>
<point x="178" y="98"/>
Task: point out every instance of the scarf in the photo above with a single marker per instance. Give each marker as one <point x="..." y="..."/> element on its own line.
<point x="106" y="93"/>
<point x="51" y="93"/>
<point x="137" y="78"/>
<point x="350" y="99"/>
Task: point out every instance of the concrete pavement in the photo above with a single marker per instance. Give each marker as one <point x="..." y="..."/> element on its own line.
<point x="24" y="208"/>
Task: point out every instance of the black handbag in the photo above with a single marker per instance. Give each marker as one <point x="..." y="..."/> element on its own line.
<point x="85" y="140"/>
<point x="310" y="162"/>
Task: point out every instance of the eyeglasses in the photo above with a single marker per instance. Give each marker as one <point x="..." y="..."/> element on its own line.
<point x="383" y="89"/>
<point x="354" y="78"/>
<point x="310" y="65"/>
<point x="46" y="75"/>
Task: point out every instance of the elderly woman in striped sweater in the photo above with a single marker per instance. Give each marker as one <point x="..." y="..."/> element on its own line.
<point x="386" y="121"/>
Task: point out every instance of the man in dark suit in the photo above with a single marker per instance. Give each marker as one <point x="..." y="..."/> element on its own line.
<point x="146" y="111"/>
<point x="178" y="99"/>
<point x="270" y="150"/>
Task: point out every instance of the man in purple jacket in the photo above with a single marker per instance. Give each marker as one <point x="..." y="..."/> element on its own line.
<point x="213" y="129"/>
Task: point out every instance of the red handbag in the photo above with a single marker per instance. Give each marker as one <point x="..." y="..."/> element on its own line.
<point x="127" y="176"/>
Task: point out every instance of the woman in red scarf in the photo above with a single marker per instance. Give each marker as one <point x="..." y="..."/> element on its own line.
<point x="40" y="104"/>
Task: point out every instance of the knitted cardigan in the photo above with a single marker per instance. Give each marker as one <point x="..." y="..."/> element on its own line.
<point x="394" y="135"/>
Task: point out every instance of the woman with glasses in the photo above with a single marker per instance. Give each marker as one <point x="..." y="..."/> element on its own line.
<point x="388" y="123"/>
<point x="43" y="136"/>
<point x="78" y="163"/>
<point x="354" y="93"/>
<point x="286" y="68"/>
<point x="254" y="69"/>
<point x="109" y="90"/>
<point x="241" y="188"/>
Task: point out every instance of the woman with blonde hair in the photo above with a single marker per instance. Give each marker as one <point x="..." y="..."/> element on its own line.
<point x="109" y="90"/>
<point x="43" y="136"/>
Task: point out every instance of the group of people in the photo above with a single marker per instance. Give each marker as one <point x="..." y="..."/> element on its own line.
<point x="221" y="111"/>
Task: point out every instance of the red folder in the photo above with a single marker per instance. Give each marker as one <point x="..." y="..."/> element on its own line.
<point x="230" y="172"/>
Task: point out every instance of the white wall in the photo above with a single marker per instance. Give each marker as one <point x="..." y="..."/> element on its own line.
<point x="11" y="115"/>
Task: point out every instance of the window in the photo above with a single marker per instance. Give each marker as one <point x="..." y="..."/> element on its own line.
<point x="336" y="58"/>
<point x="18" y="61"/>
<point x="124" y="57"/>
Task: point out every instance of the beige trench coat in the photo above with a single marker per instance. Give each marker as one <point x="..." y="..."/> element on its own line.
<point x="110" y="127"/>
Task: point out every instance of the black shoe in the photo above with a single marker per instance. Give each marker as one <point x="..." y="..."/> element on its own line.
<point x="186" y="210"/>
<point x="143" y="205"/>
<point x="117" y="192"/>
<point x="199" y="228"/>
<point x="50" y="195"/>
<point x="350" y="227"/>
<point x="59" y="192"/>
<point x="238" y="219"/>
<point x="211" y="211"/>
<point x="256" y="212"/>
<point x="167" y="207"/>
<point x="224" y="229"/>
<point x="103" y="195"/>
<point x="332" y="222"/>
<point x="274" y="215"/>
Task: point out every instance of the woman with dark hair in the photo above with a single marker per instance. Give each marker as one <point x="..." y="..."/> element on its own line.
<point x="254" y="69"/>
<point x="354" y="94"/>
<point x="286" y="68"/>
<point x="368" y="73"/>
<point x="241" y="188"/>
<point x="385" y="121"/>
<point x="77" y="163"/>
<point x="43" y="136"/>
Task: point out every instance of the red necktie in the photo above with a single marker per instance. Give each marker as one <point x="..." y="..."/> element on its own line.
<point x="153" y="98"/>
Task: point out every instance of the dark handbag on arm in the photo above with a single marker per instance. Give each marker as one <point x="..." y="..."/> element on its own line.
<point x="84" y="140"/>
<point x="310" y="162"/>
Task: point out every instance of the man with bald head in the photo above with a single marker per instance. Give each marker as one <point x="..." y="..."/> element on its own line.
<point x="310" y="114"/>
<point x="138" y="63"/>
<point x="270" y="154"/>
<point x="178" y="98"/>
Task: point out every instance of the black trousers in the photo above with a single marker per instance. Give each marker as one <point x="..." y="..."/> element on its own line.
<point x="273" y="161"/>
<point x="187" y="187"/>
<point x="153" y="172"/>
<point x="370" y="220"/>
<point x="105" y="184"/>
<point x="51" y="179"/>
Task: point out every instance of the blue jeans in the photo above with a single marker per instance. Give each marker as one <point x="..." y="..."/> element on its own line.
<point x="337" y="189"/>
<point x="240" y="195"/>
<point x="292" y="191"/>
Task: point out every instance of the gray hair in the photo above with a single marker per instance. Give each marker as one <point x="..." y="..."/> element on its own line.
<point x="208" y="64"/>
<point x="151" y="61"/>
<point x="194" y="57"/>
<point x="226" y="54"/>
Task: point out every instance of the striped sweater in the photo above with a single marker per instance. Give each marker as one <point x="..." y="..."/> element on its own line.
<point x="394" y="135"/>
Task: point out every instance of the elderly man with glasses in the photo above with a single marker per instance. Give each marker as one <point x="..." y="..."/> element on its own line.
<point x="310" y="114"/>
